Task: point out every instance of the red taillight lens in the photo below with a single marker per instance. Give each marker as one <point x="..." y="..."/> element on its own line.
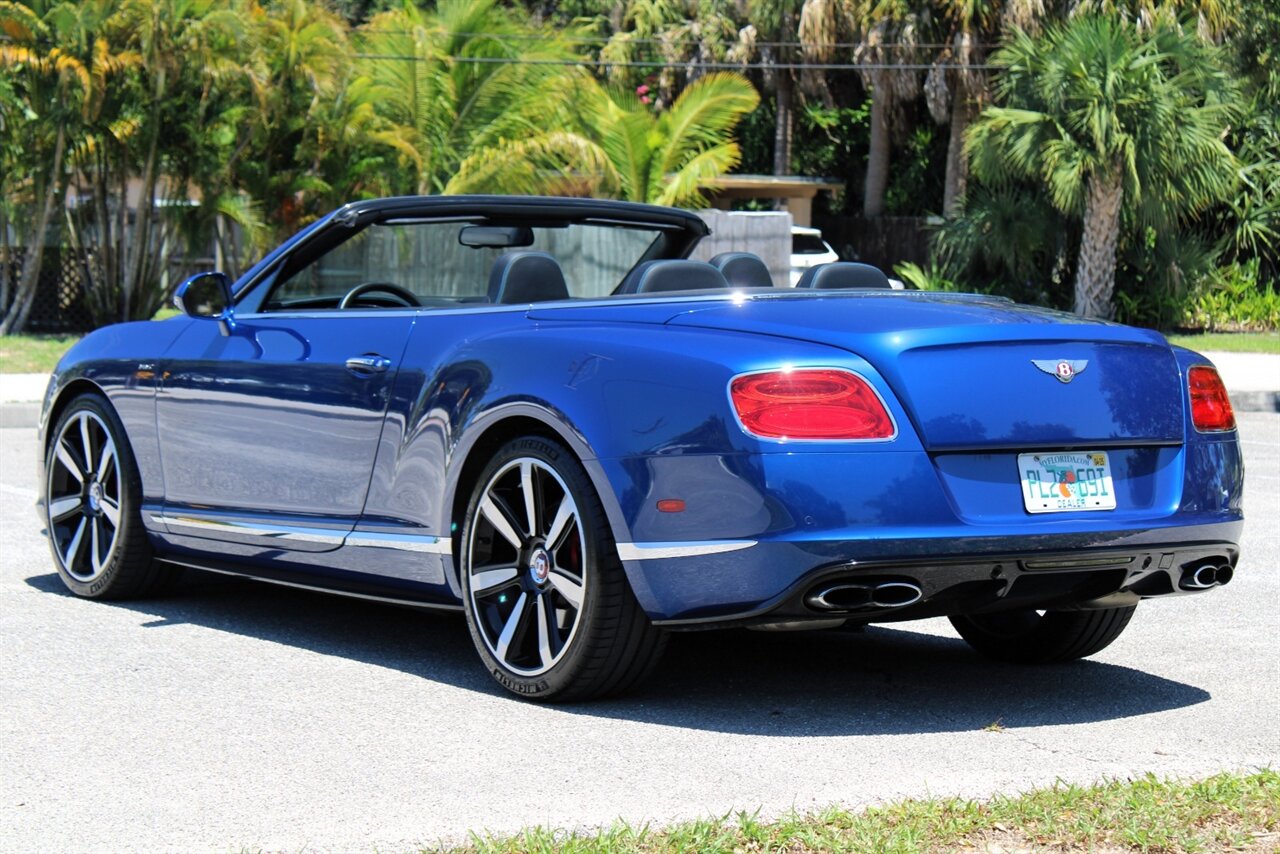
<point x="814" y="403"/>
<point x="1210" y="406"/>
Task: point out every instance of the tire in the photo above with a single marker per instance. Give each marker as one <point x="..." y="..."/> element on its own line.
<point x="91" y="506"/>
<point x="1029" y="637"/>
<point x="546" y="598"/>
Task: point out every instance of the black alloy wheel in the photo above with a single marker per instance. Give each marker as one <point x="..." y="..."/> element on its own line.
<point x="547" y="601"/>
<point x="92" y="494"/>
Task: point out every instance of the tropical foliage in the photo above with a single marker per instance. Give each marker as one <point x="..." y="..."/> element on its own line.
<point x="1121" y="157"/>
<point x="1119" y="128"/>
<point x="618" y="147"/>
<point x="132" y="131"/>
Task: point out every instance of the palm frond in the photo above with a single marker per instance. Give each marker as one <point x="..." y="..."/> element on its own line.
<point x="703" y="115"/>
<point x="544" y="164"/>
<point x="684" y="188"/>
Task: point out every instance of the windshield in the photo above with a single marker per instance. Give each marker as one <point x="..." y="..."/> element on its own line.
<point x="428" y="260"/>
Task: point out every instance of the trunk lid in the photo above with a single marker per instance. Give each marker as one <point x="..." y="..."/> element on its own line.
<point x="978" y="373"/>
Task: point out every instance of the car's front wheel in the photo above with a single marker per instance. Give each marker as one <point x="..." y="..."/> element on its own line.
<point x="91" y="504"/>
<point x="547" y="600"/>
<point x="1042" y="637"/>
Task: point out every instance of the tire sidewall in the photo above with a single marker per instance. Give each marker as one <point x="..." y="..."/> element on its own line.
<point x="599" y="563"/>
<point x="103" y="585"/>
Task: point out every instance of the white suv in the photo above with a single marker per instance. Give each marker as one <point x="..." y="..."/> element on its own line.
<point x="808" y="249"/>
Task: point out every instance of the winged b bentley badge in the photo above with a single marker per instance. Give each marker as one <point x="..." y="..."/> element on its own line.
<point x="1065" y="371"/>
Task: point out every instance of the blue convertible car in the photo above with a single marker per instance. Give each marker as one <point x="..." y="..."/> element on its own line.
<point x="540" y="413"/>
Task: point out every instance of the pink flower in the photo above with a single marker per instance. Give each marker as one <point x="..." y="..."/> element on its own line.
<point x="644" y="99"/>
<point x="642" y="90"/>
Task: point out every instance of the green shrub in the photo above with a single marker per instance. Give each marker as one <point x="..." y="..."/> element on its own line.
<point x="932" y="278"/>
<point x="1232" y="299"/>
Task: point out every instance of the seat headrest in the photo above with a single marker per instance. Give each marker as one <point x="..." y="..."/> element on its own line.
<point x="743" y="270"/>
<point x="527" y="276"/>
<point x="844" y="274"/>
<point x="672" y="275"/>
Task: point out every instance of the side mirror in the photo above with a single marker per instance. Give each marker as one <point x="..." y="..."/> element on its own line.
<point x="207" y="295"/>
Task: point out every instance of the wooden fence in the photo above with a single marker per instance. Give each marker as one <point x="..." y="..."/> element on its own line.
<point x="765" y="234"/>
<point x="883" y="241"/>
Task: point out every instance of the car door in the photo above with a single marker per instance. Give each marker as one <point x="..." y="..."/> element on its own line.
<point x="269" y="425"/>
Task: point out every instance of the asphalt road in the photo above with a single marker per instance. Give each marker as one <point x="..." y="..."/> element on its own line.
<point x="236" y="714"/>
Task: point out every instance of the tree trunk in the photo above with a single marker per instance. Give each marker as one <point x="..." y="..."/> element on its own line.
<point x="139" y="269"/>
<point x="957" y="178"/>
<point x="878" y="155"/>
<point x="16" y="317"/>
<point x="1096" y="269"/>
<point x="783" y="125"/>
<point x="6" y="261"/>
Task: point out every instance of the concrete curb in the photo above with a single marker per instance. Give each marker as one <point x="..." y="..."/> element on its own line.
<point x="27" y="415"/>
<point x="19" y="415"/>
<point x="1255" y="401"/>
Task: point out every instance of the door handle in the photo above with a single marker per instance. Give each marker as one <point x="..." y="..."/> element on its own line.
<point x="368" y="364"/>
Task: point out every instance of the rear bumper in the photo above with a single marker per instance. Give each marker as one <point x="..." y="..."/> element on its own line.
<point x="772" y="581"/>
<point x="970" y="585"/>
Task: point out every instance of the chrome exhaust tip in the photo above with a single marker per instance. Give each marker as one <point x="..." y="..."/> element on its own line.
<point x="840" y="597"/>
<point x="863" y="597"/>
<point x="1201" y="578"/>
<point x="1224" y="574"/>
<point x="896" y="594"/>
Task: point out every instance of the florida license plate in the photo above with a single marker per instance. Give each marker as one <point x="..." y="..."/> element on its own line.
<point x="1063" y="482"/>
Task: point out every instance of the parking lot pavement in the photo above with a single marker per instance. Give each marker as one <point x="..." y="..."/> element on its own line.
<point x="233" y="714"/>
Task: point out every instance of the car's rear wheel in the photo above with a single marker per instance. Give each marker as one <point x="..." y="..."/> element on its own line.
<point x="547" y="600"/>
<point x="1036" y="637"/>
<point x="91" y="502"/>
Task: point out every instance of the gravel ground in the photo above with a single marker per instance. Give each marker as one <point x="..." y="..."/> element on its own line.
<point x="239" y="715"/>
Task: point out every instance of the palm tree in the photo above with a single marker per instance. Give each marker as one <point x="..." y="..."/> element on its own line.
<point x="954" y="89"/>
<point x="1120" y="126"/>
<point x="623" y="149"/>
<point x="148" y="126"/>
<point x="301" y="60"/>
<point x="53" y="87"/>
<point x="676" y="36"/>
<point x="461" y="79"/>
<point x="772" y="26"/>
<point x="887" y="32"/>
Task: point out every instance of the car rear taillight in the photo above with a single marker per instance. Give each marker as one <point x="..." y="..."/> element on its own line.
<point x="810" y="403"/>
<point x="1210" y="406"/>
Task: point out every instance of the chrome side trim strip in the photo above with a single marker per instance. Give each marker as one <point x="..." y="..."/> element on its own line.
<point x="327" y="536"/>
<point x="421" y="543"/>
<point x="413" y="603"/>
<point x="649" y="551"/>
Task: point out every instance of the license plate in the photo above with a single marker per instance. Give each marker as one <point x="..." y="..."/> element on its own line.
<point x="1066" y="481"/>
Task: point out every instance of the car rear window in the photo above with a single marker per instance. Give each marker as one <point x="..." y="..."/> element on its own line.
<point x="808" y="244"/>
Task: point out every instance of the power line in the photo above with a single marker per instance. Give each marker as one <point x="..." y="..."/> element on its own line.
<point x="605" y="40"/>
<point x="709" y="66"/>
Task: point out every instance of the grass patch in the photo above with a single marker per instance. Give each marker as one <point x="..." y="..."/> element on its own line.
<point x="1230" y="342"/>
<point x="33" y="354"/>
<point x="1228" y="811"/>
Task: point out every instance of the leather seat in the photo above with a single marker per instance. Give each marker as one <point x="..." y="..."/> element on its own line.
<point x="843" y="274"/>
<point x="743" y="270"/>
<point x="526" y="276"/>
<point x="672" y="275"/>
